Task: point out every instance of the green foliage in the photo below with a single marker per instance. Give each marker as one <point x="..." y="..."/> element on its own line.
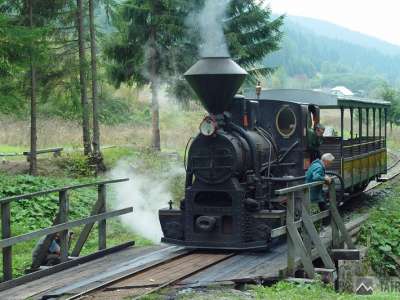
<point x="39" y="212"/>
<point x="115" y="110"/>
<point x="113" y="155"/>
<point x="314" y="291"/>
<point x="393" y="96"/>
<point x="141" y="47"/>
<point x="382" y="236"/>
<point x="76" y="164"/>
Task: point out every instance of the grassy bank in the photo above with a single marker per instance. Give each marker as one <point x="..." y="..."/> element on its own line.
<point x="381" y="234"/>
<point x="279" y="291"/>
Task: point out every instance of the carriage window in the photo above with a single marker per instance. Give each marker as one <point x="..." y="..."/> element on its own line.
<point x="286" y="121"/>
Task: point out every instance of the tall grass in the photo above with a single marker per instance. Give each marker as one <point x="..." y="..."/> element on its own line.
<point x="176" y="127"/>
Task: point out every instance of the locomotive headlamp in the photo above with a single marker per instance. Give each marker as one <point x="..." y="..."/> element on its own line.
<point x="208" y="126"/>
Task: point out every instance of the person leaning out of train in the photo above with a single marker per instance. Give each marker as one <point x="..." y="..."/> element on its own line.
<point x="316" y="172"/>
<point x="315" y="140"/>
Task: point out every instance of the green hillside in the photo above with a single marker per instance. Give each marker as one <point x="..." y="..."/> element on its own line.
<point x="311" y="60"/>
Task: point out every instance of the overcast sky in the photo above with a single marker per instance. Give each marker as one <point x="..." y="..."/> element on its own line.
<point x="378" y="18"/>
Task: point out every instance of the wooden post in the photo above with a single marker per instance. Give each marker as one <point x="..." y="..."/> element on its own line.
<point x="291" y="252"/>
<point x="102" y="224"/>
<point x="86" y="229"/>
<point x="6" y="233"/>
<point x="295" y="243"/>
<point x="63" y="218"/>
<point x="306" y="208"/>
<point x="335" y="230"/>
<point x="337" y="219"/>
<point x="313" y="233"/>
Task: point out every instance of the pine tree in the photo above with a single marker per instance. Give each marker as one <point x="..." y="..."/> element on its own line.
<point x="33" y="148"/>
<point x="87" y="149"/>
<point x="97" y="156"/>
<point x="250" y="34"/>
<point x="140" y="52"/>
<point x="27" y="28"/>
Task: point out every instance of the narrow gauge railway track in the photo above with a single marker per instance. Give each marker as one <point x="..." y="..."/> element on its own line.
<point x="153" y="278"/>
<point x="168" y="272"/>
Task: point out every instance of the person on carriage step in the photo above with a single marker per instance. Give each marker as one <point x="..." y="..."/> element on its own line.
<point x="316" y="172"/>
<point x="314" y="140"/>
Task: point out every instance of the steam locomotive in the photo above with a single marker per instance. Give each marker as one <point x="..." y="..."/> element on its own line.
<point x="248" y="147"/>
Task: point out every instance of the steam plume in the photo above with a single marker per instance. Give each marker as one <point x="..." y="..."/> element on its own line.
<point x="147" y="194"/>
<point x="209" y="21"/>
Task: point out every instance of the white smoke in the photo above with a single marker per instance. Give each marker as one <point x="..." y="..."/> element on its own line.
<point x="146" y="194"/>
<point x="210" y="23"/>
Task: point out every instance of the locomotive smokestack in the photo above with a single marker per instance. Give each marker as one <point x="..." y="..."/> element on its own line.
<point x="215" y="81"/>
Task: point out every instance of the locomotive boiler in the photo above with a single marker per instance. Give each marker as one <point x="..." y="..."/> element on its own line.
<point x="248" y="147"/>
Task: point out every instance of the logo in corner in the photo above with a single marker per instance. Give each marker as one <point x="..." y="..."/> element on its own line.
<point x="364" y="286"/>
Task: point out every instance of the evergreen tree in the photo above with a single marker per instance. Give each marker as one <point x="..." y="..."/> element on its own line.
<point x="250" y="34"/>
<point x="141" y="50"/>
<point x="33" y="17"/>
<point x="33" y="144"/>
<point x="87" y="149"/>
<point x="97" y="156"/>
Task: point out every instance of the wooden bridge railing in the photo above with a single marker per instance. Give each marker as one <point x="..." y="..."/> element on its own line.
<point x="302" y="243"/>
<point x="60" y="224"/>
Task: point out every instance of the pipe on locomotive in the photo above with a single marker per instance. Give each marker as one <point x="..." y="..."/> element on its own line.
<point x="250" y="142"/>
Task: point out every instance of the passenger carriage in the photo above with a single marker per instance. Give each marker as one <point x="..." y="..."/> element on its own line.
<point x="360" y="149"/>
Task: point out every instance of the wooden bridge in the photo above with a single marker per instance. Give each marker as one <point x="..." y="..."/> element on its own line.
<point x="60" y="225"/>
<point x="304" y="244"/>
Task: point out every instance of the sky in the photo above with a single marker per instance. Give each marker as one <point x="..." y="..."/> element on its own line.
<point x="378" y="18"/>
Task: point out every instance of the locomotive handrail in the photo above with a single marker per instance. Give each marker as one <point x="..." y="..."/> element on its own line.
<point x="299" y="187"/>
<point x="363" y="144"/>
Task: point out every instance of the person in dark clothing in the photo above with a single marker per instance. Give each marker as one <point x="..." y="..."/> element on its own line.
<point x="314" y="141"/>
<point x="53" y="254"/>
<point x="316" y="172"/>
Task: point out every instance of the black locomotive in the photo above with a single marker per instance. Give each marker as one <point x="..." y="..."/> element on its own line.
<point x="246" y="149"/>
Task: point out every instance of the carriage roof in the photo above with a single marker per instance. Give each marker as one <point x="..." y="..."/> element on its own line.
<point x="323" y="100"/>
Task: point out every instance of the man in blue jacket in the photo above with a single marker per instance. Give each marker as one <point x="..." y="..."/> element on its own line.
<point x="316" y="172"/>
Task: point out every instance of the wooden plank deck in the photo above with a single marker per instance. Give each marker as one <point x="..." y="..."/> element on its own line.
<point x="90" y="274"/>
<point x="263" y="265"/>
